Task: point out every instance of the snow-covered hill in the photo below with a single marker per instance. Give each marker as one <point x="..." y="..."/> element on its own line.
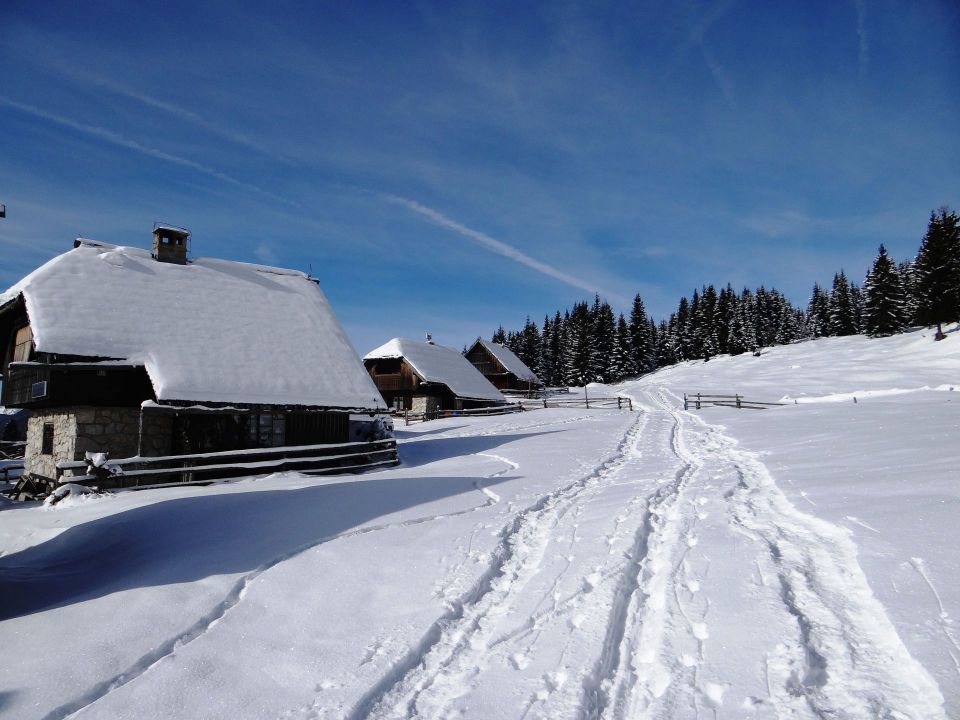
<point x="794" y="562"/>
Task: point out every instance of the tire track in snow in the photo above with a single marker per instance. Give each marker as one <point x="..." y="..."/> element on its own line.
<point x="847" y="660"/>
<point x="424" y="680"/>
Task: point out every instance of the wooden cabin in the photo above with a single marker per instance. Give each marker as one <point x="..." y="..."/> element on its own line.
<point x="502" y="367"/>
<point x="146" y="353"/>
<point x="423" y="377"/>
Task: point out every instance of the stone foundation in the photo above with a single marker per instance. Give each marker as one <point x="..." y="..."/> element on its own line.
<point x="424" y="404"/>
<point x="78" y="430"/>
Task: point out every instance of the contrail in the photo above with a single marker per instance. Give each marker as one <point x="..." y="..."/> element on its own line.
<point x="120" y="141"/>
<point x="491" y="244"/>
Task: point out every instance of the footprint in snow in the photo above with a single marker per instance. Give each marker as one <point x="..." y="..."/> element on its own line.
<point x="520" y="661"/>
<point x="713" y="694"/>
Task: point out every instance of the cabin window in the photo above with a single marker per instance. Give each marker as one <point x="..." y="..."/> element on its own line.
<point x="268" y="430"/>
<point x="46" y="447"/>
<point x="23" y="344"/>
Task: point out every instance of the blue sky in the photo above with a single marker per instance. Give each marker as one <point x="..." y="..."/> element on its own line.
<point x="447" y="167"/>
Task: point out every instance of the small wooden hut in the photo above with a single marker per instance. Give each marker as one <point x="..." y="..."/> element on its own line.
<point x="423" y="377"/>
<point x="502" y="367"/>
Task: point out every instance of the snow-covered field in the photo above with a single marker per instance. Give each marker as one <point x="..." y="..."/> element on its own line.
<point x="797" y="562"/>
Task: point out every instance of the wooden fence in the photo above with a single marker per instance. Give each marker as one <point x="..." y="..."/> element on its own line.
<point x="202" y="468"/>
<point x="410" y="417"/>
<point x="699" y="400"/>
<point x="618" y="402"/>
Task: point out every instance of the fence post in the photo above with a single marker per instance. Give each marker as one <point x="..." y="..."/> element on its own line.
<point x="698" y="401"/>
<point x="686" y="402"/>
<point x="738" y="402"/>
<point x="630" y="404"/>
<point x="619" y="407"/>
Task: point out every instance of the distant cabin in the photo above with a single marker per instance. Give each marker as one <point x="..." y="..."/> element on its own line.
<point x="149" y="353"/>
<point x="501" y="366"/>
<point x="423" y="377"/>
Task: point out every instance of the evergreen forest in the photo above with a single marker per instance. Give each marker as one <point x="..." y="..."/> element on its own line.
<point x="589" y="343"/>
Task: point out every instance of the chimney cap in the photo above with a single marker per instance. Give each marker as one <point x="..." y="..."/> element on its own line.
<point x="166" y="227"/>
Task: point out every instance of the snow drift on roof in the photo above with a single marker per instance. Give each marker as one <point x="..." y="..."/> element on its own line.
<point x="212" y="330"/>
<point x="439" y="364"/>
<point x="511" y="362"/>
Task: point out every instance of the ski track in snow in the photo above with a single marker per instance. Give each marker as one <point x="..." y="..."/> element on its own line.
<point x="846" y="660"/>
<point x="437" y="669"/>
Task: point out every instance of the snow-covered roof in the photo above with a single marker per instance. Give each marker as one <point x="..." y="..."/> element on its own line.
<point x="439" y="364"/>
<point x="211" y="330"/>
<point x="510" y="362"/>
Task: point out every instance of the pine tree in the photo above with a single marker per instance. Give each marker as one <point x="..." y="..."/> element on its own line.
<point x="500" y="336"/>
<point x="726" y="309"/>
<point x="579" y="331"/>
<point x="641" y="339"/>
<point x="706" y="323"/>
<point x="621" y="362"/>
<point x="603" y="327"/>
<point x="743" y="330"/>
<point x="818" y="313"/>
<point x="679" y="327"/>
<point x="937" y="269"/>
<point x="557" y="376"/>
<point x="884" y="304"/>
<point x="529" y="344"/>
<point x="842" y="320"/>
<point x="911" y="303"/>
<point x="544" y="366"/>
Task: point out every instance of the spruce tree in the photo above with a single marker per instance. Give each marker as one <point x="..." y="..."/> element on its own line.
<point x="500" y="336"/>
<point x="641" y="342"/>
<point x="911" y="303"/>
<point x="884" y="304"/>
<point x="937" y="270"/>
<point x="818" y="313"/>
<point x="842" y="318"/>
<point x="620" y="365"/>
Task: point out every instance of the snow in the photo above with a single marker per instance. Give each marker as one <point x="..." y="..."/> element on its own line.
<point x="210" y="331"/>
<point x="439" y="364"/>
<point x="797" y="562"/>
<point x="510" y="362"/>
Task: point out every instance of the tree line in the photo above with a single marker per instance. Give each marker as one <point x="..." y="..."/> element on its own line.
<point x="589" y="343"/>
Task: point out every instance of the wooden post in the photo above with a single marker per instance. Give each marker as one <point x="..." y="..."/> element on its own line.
<point x="698" y="401"/>
<point x="586" y="397"/>
<point x="738" y="402"/>
<point x="686" y="402"/>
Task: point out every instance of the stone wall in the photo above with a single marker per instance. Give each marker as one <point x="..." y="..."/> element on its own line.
<point x="424" y="404"/>
<point x="78" y="430"/>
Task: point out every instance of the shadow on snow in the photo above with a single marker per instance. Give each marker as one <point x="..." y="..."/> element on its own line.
<point x="190" y="538"/>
